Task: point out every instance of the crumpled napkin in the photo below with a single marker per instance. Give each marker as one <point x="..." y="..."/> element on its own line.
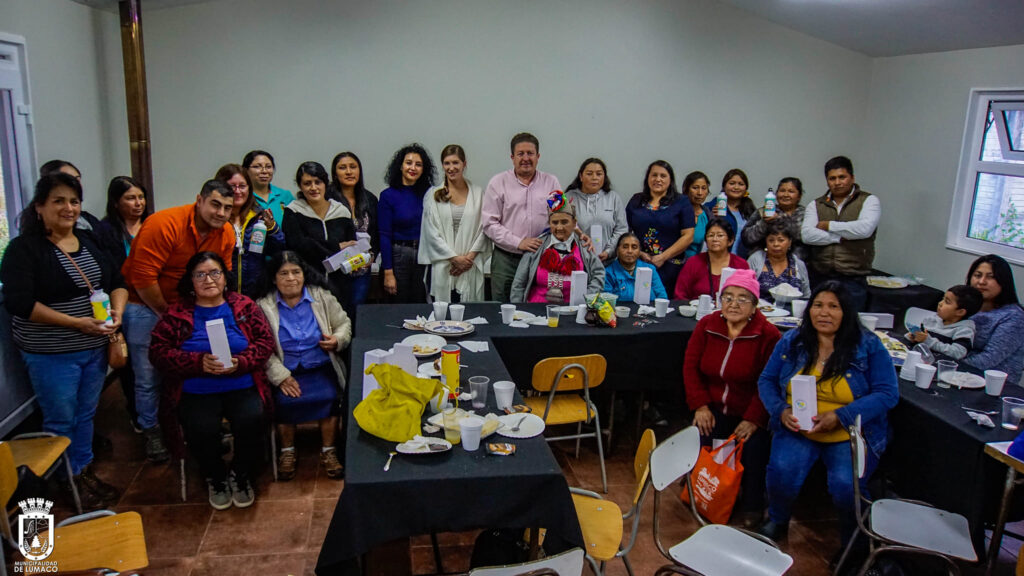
<point x="418" y="322"/>
<point x="475" y="345"/>
<point x="477" y="320"/>
<point x="982" y="419"/>
<point x="519" y="324"/>
<point x="645" y="310"/>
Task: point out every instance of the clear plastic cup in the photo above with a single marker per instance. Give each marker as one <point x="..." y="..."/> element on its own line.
<point x="1013" y="411"/>
<point x="440" y="310"/>
<point x="478" y="388"/>
<point x="946" y="370"/>
<point x="553" y="315"/>
<point x="451" y="425"/>
<point x="798" y="307"/>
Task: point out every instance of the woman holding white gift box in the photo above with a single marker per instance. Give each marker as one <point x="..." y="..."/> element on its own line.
<point x="598" y="205"/>
<point x="452" y="243"/>
<point x="855" y="377"/>
<point x="199" y="390"/>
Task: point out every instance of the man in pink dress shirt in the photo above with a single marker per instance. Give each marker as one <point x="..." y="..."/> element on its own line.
<point x="515" y="212"/>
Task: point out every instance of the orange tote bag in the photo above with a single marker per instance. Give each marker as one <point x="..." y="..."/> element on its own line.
<point x="716" y="486"/>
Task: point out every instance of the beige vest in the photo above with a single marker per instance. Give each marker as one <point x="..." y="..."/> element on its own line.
<point x="849" y="257"/>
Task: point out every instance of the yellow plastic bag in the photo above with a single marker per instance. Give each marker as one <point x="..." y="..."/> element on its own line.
<point x="394" y="410"/>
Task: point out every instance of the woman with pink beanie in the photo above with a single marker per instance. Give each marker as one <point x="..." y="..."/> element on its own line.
<point x="724" y="359"/>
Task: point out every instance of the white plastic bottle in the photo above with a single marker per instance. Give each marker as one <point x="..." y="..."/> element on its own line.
<point x="721" y="204"/>
<point x="101" y="306"/>
<point x="769" y="204"/>
<point x="258" y="238"/>
<point x="355" y="263"/>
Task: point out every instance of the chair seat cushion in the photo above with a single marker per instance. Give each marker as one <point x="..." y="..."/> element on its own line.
<point x="717" y="550"/>
<point x="601" y="523"/>
<point x="923" y="527"/>
<point x="565" y="409"/>
<point x="38" y="454"/>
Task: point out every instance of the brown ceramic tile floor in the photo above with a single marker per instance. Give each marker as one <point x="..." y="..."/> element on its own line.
<point x="282" y="533"/>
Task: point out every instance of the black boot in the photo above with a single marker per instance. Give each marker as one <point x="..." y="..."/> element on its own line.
<point x="107" y="492"/>
<point x="155" y="450"/>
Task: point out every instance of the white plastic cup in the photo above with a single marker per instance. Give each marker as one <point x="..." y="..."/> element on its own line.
<point x="869" y="322"/>
<point x="994" y="380"/>
<point x="581" y="314"/>
<point x="705" y="306"/>
<point x="660" y="307"/>
<point x="456" y="312"/>
<point x="798" y="307"/>
<point x="504" y="392"/>
<point x="507" y="311"/>
<point x="478" y="388"/>
<point x="440" y="310"/>
<point x="910" y="364"/>
<point x="923" y="375"/>
<point x="471" y="427"/>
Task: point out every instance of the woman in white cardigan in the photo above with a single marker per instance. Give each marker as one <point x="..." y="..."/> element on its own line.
<point x="310" y="328"/>
<point x="451" y="240"/>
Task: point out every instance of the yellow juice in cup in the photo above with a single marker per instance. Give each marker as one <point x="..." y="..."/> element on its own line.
<point x="552" y="321"/>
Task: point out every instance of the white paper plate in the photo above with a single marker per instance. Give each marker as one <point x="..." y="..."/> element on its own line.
<point x="566" y="310"/>
<point x="785" y="321"/>
<point x="964" y="380"/>
<point x="427" y="370"/>
<point x="523" y="315"/>
<point x="452" y="328"/>
<point x="428" y="344"/>
<point x="419" y="448"/>
<point x="537" y="321"/>
<point x="775" y="313"/>
<point x="438" y="420"/>
<point x="532" y="426"/>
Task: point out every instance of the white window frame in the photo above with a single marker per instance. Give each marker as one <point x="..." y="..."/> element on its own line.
<point x="14" y="78"/>
<point x="971" y="165"/>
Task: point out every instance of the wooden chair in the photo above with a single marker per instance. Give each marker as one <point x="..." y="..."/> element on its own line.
<point x="560" y="378"/>
<point x="40" y="452"/>
<point x="906" y="526"/>
<point x="714" y="550"/>
<point x="97" y="540"/>
<point x="568" y="563"/>
<point x="601" y="520"/>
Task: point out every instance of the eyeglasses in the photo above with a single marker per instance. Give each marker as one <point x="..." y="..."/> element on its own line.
<point x="238" y="186"/>
<point x="741" y="300"/>
<point x="212" y="275"/>
<point x="718" y="236"/>
<point x="262" y="167"/>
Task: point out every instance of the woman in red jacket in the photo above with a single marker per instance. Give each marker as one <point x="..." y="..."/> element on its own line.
<point x="199" y="390"/>
<point x="702" y="272"/>
<point x="724" y="359"/>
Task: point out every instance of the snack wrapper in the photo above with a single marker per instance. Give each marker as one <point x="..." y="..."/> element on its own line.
<point x="600" y="312"/>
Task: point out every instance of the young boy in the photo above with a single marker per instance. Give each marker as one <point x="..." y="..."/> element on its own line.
<point x="951" y="334"/>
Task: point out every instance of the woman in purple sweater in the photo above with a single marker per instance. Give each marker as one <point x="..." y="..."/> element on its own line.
<point x="410" y="174"/>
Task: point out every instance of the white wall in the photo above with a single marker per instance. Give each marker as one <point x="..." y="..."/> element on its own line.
<point x="77" y="88"/>
<point x="698" y="83"/>
<point x="911" y="150"/>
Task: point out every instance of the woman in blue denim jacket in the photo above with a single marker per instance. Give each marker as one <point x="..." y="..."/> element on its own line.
<point x="855" y="378"/>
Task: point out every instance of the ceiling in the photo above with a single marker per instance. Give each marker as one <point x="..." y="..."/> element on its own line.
<point x="898" y="27"/>
<point x="871" y="27"/>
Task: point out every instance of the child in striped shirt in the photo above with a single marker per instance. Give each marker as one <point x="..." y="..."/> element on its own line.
<point x="950" y="333"/>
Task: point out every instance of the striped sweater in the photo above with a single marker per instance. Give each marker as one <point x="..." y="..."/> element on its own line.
<point x="953" y="341"/>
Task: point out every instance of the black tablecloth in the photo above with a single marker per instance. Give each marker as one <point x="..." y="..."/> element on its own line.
<point x="648" y="357"/>
<point x="453" y="491"/>
<point x="896" y="301"/>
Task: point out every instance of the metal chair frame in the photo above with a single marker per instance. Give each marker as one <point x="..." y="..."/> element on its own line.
<point x="879" y="544"/>
<point x="592" y="408"/>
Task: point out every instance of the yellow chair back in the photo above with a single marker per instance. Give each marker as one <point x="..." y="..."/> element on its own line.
<point x="544" y="372"/>
<point x="642" y="462"/>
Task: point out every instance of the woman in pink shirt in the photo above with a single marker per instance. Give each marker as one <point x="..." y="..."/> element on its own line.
<point x="545" y="275"/>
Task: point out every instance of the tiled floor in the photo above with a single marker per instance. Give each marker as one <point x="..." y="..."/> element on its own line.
<point x="282" y="532"/>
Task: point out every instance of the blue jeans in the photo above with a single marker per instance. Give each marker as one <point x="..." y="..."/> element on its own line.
<point x="68" y="387"/>
<point x="139" y="321"/>
<point x="791" y="459"/>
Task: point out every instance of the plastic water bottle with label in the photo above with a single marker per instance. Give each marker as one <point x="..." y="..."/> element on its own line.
<point x="101" y="306"/>
<point x="770" y="204"/>
<point x="721" y="204"/>
<point x="258" y="238"/>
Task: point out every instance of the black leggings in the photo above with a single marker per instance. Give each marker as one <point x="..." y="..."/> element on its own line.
<point x="201" y="415"/>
